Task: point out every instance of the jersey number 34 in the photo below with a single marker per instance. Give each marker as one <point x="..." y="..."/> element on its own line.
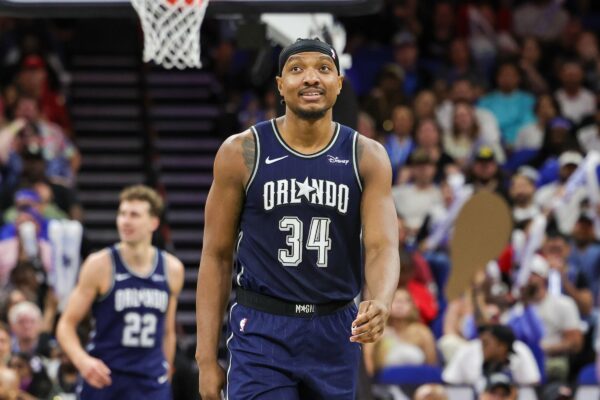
<point x="318" y="240"/>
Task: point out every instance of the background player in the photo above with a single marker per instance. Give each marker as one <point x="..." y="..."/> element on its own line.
<point x="132" y="289"/>
<point x="298" y="225"/>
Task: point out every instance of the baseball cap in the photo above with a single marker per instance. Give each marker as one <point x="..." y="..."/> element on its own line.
<point x="529" y="173"/>
<point x="538" y="265"/>
<point x="485" y="153"/>
<point x="27" y="195"/>
<point x="306" y="45"/>
<point x="499" y="380"/>
<point x="420" y="157"/>
<point x="560" y="123"/>
<point x="33" y="61"/>
<point x="569" y="158"/>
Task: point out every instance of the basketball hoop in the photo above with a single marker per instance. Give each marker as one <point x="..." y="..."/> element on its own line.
<point x="172" y="31"/>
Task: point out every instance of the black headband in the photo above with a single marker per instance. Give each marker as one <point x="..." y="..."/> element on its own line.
<point x="304" y="45"/>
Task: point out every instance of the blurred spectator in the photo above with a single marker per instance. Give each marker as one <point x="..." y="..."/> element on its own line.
<point x="414" y="200"/>
<point x="406" y="55"/>
<point x="499" y="386"/>
<point x="589" y="135"/>
<point x="557" y="391"/>
<point x="399" y="143"/>
<point x="543" y="19"/>
<point x="428" y="138"/>
<point x="495" y="351"/>
<point x="466" y="135"/>
<point x="589" y="56"/>
<point x="438" y="36"/>
<point x="576" y="102"/>
<point x="522" y="190"/>
<point x="512" y="107"/>
<point x="31" y="198"/>
<point x="531" y="65"/>
<point x="417" y="281"/>
<point x="485" y="173"/>
<point x="460" y="65"/>
<point x="566" y="215"/>
<point x="585" y="254"/>
<point x="32" y="80"/>
<point x="30" y="336"/>
<point x="366" y="126"/>
<point x="531" y="135"/>
<point x="32" y="375"/>
<point x="431" y="391"/>
<point x="386" y="95"/>
<point x="424" y="105"/>
<point x="405" y="341"/>
<point x="565" y="278"/>
<point x="559" y="317"/>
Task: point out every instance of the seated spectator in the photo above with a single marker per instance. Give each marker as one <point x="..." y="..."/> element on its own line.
<point x="531" y="63"/>
<point x="558" y="138"/>
<point x="542" y="19"/>
<point x="32" y="375"/>
<point x="589" y="135"/>
<point x="521" y="192"/>
<point x="512" y="107"/>
<point x="416" y="279"/>
<point x="460" y="64"/>
<point x="495" y="351"/>
<point x="424" y="105"/>
<point x="25" y="239"/>
<point x="485" y="173"/>
<point x="466" y="135"/>
<point x="561" y="324"/>
<point x="405" y="340"/>
<point x="531" y="135"/>
<point x="428" y="137"/>
<point x="414" y="200"/>
<point x="399" y="143"/>
<point x="546" y="196"/>
<point x="406" y="55"/>
<point x="386" y="95"/>
<point x="499" y="386"/>
<point x="588" y="55"/>
<point x="584" y="255"/>
<point x="576" y="102"/>
<point x="30" y="336"/>
<point x="431" y="391"/>
<point x="31" y="198"/>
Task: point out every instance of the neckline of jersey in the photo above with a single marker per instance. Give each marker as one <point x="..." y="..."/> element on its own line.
<point x="296" y="153"/>
<point x="131" y="271"/>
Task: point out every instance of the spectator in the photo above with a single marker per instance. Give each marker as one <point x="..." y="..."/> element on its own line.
<point x="399" y="143"/>
<point x="495" y="351"/>
<point x="585" y="253"/>
<point x="460" y="65"/>
<point x="512" y="107"/>
<point x="386" y="95"/>
<point x="32" y="375"/>
<point x="522" y="190"/>
<point x="531" y="135"/>
<point x="9" y="385"/>
<point x="439" y="35"/>
<point x="465" y="135"/>
<point x="26" y="325"/>
<point x="406" y="55"/>
<point x="589" y="135"/>
<point x="531" y="64"/>
<point x="424" y="105"/>
<point x="463" y="90"/>
<point x="405" y="341"/>
<point x="485" y="173"/>
<point x="5" y="345"/>
<point x="566" y="215"/>
<point x="576" y="102"/>
<point x="589" y="57"/>
<point x="559" y="316"/>
<point x="428" y="136"/>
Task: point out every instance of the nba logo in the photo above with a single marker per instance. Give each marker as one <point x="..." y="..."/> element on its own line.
<point x="243" y="324"/>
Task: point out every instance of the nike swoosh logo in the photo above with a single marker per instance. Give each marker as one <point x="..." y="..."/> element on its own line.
<point x="122" y="277"/>
<point x="274" y="160"/>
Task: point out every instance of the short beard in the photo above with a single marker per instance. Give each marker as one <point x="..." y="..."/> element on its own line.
<point x="309" y="115"/>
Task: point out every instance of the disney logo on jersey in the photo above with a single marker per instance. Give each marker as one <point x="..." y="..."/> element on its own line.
<point x="337" y="160"/>
<point x="316" y="191"/>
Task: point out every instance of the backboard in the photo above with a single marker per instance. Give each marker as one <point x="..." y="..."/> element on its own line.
<point x="97" y="8"/>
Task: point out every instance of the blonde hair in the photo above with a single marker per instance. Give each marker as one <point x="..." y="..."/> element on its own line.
<point x="144" y="193"/>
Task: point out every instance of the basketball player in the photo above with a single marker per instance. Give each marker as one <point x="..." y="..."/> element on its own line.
<point x="131" y="289"/>
<point x="292" y="196"/>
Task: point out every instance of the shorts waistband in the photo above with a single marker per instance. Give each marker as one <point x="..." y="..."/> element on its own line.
<point x="277" y="306"/>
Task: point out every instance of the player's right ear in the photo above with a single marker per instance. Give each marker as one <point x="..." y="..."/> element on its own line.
<point x="279" y="81"/>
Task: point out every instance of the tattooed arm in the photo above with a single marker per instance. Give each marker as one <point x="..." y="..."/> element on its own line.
<point x="232" y="169"/>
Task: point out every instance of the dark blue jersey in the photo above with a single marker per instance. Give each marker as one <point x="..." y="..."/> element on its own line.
<point x="130" y="320"/>
<point x="300" y="227"/>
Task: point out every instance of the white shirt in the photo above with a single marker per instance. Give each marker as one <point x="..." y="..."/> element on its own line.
<point x="589" y="138"/>
<point x="529" y="137"/>
<point x="567" y="214"/>
<point x="578" y="106"/>
<point x="465" y="368"/>
<point x="488" y="124"/>
<point x="559" y="314"/>
<point x="414" y="204"/>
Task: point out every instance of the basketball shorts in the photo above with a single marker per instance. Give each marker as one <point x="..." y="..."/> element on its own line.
<point x="291" y="358"/>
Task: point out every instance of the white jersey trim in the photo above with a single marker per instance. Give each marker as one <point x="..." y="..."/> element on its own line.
<point x="230" y="356"/>
<point x="355" y="159"/>
<point x="294" y="152"/>
<point x="256" y="159"/>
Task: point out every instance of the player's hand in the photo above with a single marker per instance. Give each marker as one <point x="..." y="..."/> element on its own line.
<point x="370" y="321"/>
<point x="212" y="380"/>
<point x="95" y="372"/>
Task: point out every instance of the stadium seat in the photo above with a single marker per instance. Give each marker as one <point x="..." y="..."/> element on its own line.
<point x="587" y="375"/>
<point x="409" y="375"/>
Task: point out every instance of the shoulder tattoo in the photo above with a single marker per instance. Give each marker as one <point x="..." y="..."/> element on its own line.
<point x="249" y="152"/>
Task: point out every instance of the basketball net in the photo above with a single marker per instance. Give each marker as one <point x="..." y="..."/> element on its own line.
<point x="172" y="31"/>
